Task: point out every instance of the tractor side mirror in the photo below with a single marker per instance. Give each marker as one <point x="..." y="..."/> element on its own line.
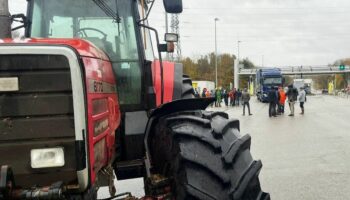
<point x="173" y="6"/>
<point x="169" y="47"/>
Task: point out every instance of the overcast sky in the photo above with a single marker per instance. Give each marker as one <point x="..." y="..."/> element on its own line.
<point x="279" y="32"/>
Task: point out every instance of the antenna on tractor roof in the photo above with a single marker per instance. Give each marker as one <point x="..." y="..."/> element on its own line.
<point x="108" y="10"/>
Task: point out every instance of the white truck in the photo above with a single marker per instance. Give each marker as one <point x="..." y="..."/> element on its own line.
<point x="306" y="83"/>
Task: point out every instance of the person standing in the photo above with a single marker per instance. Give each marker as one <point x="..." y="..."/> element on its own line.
<point x="230" y="94"/>
<point x="225" y="96"/>
<point x="273" y="101"/>
<point x="245" y="100"/>
<point x="234" y="96"/>
<point x="212" y="94"/>
<point x="207" y="93"/>
<point x="302" y="99"/>
<point x="278" y="100"/>
<point x="239" y="96"/>
<point x="282" y="100"/>
<point x="196" y="93"/>
<point x="292" y="95"/>
<point x="218" y="97"/>
<point x="204" y="93"/>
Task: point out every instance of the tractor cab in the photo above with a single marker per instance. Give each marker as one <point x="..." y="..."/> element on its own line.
<point x="113" y="26"/>
<point x="110" y="25"/>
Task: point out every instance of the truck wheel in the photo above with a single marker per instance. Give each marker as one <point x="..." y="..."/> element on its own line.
<point x="187" y="89"/>
<point x="205" y="157"/>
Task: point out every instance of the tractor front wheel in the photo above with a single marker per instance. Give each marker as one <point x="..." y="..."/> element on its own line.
<point x="205" y="157"/>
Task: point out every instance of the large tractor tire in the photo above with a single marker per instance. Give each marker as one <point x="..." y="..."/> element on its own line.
<point x="187" y="89"/>
<point x="205" y="157"/>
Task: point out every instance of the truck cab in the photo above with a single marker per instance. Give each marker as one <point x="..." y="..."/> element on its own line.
<point x="267" y="79"/>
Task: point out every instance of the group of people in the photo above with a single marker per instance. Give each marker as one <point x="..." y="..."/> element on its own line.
<point x="277" y="98"/>
<point x="229" y="97"/>
<point x="235" y="95"/>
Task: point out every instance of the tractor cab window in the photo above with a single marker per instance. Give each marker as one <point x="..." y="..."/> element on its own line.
<point x="86" y="20"/>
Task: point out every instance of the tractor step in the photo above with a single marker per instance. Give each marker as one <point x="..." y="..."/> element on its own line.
<point x="129" y="169"/>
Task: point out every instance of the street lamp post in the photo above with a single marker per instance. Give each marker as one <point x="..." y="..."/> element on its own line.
<point x="216" y="56"/>
<point x="236" y="69"/>
<point x="238" y="42"/>
<point x="166" y="31"/>
<point x="5" y="21"/>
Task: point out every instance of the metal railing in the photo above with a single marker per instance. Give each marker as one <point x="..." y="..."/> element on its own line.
<point x="301" y="70"/>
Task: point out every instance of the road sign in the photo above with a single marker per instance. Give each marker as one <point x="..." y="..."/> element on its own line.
<point x="341" y="67"/>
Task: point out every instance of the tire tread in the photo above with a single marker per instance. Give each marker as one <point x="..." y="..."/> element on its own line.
<point x="208" y="143"/>
<point x="187" y="89"/>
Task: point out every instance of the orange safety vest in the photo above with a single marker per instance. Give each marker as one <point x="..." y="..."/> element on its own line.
<point x="207" y="94"/>
<point x="282" y="97"/>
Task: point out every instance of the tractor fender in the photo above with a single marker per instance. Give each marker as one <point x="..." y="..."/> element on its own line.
<point x="167" y="109"/>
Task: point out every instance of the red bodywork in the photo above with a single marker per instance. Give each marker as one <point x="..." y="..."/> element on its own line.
<point x="103" y="113"/>
<point x="169" y="75"/>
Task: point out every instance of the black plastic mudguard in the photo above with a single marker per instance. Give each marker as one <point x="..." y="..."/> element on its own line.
<point x="181" y="105"/>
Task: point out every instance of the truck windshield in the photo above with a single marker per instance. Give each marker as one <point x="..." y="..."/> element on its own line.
<point x="273" y="81"/>
<point x="84" y="19"/>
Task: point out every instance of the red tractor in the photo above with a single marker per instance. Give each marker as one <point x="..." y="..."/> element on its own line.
<point x="83" y="99"/>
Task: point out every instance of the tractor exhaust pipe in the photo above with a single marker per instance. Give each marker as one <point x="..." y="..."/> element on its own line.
<point x="5" y="20"/>
<point x="55" y="191"/>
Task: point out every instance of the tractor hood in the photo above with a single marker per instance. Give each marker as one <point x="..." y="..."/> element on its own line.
<point x="83" y="47"/>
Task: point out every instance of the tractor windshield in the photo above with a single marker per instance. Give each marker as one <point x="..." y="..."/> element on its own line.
<point x="85" y="19"/>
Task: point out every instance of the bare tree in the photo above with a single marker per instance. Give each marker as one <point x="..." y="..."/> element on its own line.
<point x="5" y="21"/>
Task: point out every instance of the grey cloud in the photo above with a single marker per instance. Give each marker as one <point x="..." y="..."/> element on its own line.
<point x="286" y="32"/>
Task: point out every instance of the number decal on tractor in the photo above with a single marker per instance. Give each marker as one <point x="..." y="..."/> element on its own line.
<point x="96" y="86"/>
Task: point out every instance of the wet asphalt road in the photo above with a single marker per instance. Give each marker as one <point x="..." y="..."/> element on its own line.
<point x="304" y="157"/>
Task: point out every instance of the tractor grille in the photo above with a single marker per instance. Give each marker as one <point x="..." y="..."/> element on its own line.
<point x="38" y="115"/>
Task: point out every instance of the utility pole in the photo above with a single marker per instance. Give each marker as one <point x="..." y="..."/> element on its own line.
<point x="236" y="70"/>
<point x="238" y="42"/>
<point x="5" y="20"/>
<point x="175" y="28"/>
<point x="216" y="56"/>
<point x="166" y="30"/>
<point x="335" y="82"/>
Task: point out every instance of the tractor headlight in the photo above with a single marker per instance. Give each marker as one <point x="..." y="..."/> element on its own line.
<point x="50" y="157"/>
<point x="265" y="95"/>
